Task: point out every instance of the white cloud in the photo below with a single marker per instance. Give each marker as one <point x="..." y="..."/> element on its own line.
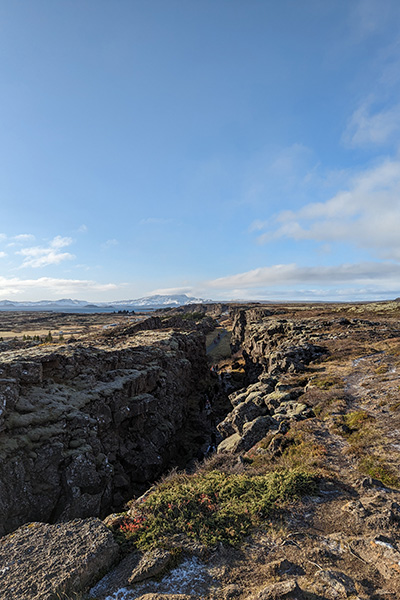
<point x="172" y="291"/>
<point x="2" y="254"/>
<point x="20" y="238"/>
<point x="369" y="17"/>
<point x="110" y="243"/>
<point x="368" y="127"/>
<point x="377" y="274"/>
<point x="48" y="286"/>
<point x="257" y="225"/>
<point x="367" y="214"/>
<point x="312" y="294"/>
<point x="39" y="256"/>
<point x="24" y="237"/>
<point x="82" y="229"/>
<point x="376" y="118"/>
<point x="155" y="221"/>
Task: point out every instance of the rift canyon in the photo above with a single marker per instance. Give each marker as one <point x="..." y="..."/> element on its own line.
<point x="205" y="451"/>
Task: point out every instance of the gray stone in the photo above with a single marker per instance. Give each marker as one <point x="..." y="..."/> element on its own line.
<point x="40" y="561"/>
<point x="285" y="589"/>
<point x="9" y="394"/>
<point x="230" y="444"/>
<point x="244" y="413"/>
<point x="341" y="585"/>
<point x="255" y="431"/>
<point x="152" y="564"/>
<point x="74" y="418"/>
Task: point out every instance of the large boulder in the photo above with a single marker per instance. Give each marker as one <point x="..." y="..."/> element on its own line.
<point x="285" y="590"/>
<point x="254" y="431"/>
<point x="243" y="413"/>
<point x="39" y="561"/>
<point x="230" y="444"/>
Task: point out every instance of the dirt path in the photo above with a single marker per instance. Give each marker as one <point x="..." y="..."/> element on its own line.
<point x="374" y="389"/>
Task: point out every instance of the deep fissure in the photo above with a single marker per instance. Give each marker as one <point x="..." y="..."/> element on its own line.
<point x="88" y="427"/>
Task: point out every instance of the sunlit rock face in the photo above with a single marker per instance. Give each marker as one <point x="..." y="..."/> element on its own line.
<point x="273" y="344"/>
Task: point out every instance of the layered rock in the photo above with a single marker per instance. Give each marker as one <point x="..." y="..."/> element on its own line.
<point x="84" y="426"/>
<point x="213" y="310"/>
<point x="271" y="347"/>
<point x="257" y="411"/>
<point x="176" y="321"/>
<point x="274" y="345"/>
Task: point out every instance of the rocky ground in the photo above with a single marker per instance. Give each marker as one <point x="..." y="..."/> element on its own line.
<point x="17" y="326"/>
<point x="305" y="481"/>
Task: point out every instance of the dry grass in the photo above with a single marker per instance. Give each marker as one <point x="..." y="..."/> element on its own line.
<point x="222" y="351"/>
<point x="327" y="382"/>
<point x="299" y="448"/>
<point x="366" y="443"/>
<point x="326" y="402"/>
<point x="377" y="467"/>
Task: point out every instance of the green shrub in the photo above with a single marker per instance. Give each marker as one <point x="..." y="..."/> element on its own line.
<point x="324" y="383"/>
<point x="353" y="425"/>
<point x="376" y="467"/>
<point x="194" y="316"/>
<point x="356" y="420"/>
<point x="211" y="507"/>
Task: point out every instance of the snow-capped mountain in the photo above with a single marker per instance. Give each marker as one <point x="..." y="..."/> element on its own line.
<point x="45" y="303"/>
<point x="159" y="301"/>
<point x="156" y="301"/>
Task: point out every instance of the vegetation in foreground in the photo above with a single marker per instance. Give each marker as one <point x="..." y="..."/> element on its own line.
<point x="211" y="507"/>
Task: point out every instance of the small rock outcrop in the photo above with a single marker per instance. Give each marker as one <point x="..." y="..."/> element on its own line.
<point x="257" y="411"/>
<point x="285" y="590"/>
<point x="152" y="564"/>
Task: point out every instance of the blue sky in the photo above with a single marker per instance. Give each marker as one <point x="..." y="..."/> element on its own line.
<point x="228" y="149"/>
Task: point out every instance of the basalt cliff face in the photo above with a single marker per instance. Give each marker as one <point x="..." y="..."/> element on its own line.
<point x="82" y="426"/>
<point x="273" y="344"/>
<point x="276" y="352"/>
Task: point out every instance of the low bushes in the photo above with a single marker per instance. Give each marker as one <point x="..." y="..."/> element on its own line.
<point x="376" y="467"/>
<point x="211" y="507"/>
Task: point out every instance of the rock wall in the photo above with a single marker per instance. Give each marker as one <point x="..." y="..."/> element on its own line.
<point x="273" y="348"/>
<point x="214" y="309"/>
<point x="84" y="426"/>
<point x="273" y="345"/>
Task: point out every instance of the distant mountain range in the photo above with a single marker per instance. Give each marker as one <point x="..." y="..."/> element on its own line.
<point x="159" y="300"/>
<point x="156" y="301"/>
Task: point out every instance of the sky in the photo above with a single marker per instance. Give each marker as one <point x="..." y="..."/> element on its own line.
<point x="226" y="149"/>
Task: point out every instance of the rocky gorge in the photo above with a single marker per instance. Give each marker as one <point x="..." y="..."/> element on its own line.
<point x="301" y="500"/>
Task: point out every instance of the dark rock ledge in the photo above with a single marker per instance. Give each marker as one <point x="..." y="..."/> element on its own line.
<point x="85" y="427"/>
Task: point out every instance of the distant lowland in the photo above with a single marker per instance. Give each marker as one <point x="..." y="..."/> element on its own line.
<point x="147" y="303"/>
